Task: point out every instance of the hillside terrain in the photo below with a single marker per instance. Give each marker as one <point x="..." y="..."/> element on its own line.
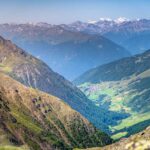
<point x="140" y="141"/>
<point x="121" y="86"/>
<point x="63" y="50"/>
<point x="40" y="121"/>
<point x="34" y="73"/>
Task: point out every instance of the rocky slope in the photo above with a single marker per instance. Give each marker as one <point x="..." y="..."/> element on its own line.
<point x="40" y="121"/>
<point x="121" y="86"/>
<point x="34" y="73"/>
<point x="139" y="141"/>
<point x="63" y="50"/>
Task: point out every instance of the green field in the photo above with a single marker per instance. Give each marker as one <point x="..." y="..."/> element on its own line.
<point x="8" y="147"/>
<point x="120" y="96"/>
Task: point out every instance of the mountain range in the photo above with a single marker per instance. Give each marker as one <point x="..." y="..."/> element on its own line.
<point x="121" y="86"/>
<point x="88" y="43"/>
<point x="108" y="101"/>
<point x="63" y="50"/>
<point x="131" y="34"/>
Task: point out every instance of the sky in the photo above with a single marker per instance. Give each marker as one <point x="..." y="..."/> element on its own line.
<point x="68" y="11"/>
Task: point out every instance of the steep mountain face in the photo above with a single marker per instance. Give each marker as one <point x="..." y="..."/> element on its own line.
<point x="139" y="141"/>
<point x="134" y="35"/>
<point x="63" y="50"/>
<point x="121" y="86"/>
<point x="40" y="121"/>
<point x="34" y="73"/>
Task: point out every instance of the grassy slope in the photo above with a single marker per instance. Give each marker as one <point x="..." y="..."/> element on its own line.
<point x="41" y="121"/>
<point x="9" y="147"/>
<point x="140" y="141"/>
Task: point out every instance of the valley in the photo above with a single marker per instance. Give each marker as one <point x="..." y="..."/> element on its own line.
<point x="34" y="73"/>
<point x="74" y="75"/>
<point x="113" y="96"/>
<point x="126" y="91"/>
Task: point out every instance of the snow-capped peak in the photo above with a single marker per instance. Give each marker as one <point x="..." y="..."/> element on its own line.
<point x="121" y="20"/>
<point x="43" y="24"/>
<point x="100" y="19"/>
<point x="92" y="21"/>
<point x="105" y="19"/>
<point x="31" y="23"/>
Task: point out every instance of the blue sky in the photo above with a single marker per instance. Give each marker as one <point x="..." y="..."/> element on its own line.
<point x="67" y="11"/>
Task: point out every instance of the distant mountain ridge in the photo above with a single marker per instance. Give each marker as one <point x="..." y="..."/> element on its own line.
<point x="134" y="34"/>
<point x="105" y="25"/>
<point x="117" y="70"/>
<point x="63" y="50"/>
<point x="131" y="34"/>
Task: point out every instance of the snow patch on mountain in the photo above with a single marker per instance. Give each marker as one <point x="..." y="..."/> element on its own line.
<point x="121" y="20"/>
